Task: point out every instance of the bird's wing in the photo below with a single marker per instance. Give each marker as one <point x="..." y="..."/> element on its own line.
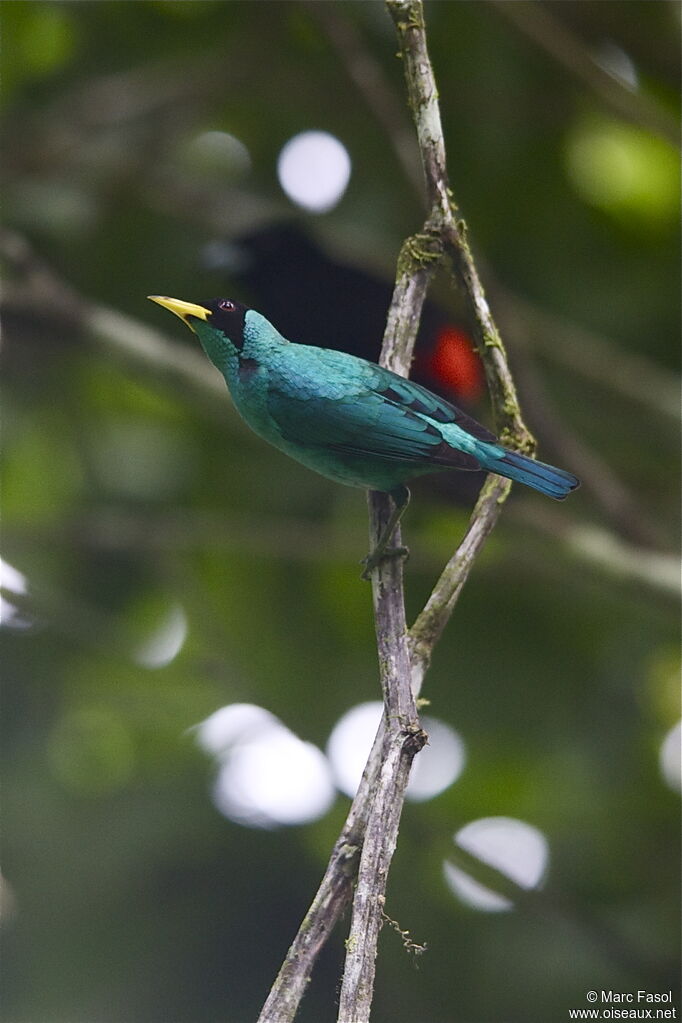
<point x="409" y="395"/>
<point x="366" y="422"/>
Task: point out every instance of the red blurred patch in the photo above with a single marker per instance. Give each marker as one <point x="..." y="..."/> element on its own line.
<point x="455" y="364"/>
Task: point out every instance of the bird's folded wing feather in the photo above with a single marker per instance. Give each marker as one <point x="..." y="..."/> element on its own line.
<point x="416" y="398"/>
<point x="369" y="422"/>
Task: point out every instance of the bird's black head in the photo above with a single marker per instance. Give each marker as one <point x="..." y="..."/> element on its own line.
<point x="229" y="317"/>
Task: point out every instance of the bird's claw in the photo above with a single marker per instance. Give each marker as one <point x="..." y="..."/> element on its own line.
<point x="374" y="558"/>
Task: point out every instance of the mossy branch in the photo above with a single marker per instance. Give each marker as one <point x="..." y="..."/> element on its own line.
<point x="372" y="825"/>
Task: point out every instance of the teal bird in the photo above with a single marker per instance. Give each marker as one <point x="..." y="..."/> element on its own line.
<point x="347" y="418"/>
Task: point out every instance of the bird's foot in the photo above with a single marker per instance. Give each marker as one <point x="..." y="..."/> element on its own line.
<point x="375" y="557"/>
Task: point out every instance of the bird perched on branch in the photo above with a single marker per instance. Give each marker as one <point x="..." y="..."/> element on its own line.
<point x="298" y="283"/>
<point x="347" y="418"/>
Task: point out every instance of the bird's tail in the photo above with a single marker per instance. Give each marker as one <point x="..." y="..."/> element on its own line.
<point x="547" y="479"/>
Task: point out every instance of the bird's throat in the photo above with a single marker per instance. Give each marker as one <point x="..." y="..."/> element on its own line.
<point x="220" y="350"/>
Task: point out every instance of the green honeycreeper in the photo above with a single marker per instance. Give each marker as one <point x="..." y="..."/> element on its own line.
<point x="347" y="418"/>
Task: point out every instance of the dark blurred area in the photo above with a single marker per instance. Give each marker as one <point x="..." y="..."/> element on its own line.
<point x="315" y="300"/>
<point x="184" y="627"/>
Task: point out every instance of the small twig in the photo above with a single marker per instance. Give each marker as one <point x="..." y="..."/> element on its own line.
<point x="409" y="944"/>
<point x="332" y="895"/>
<point x="437" y="611"/>
<point x="445" y="224"/>
<point x="642" y="380"/>
<point x="612" y="495"/>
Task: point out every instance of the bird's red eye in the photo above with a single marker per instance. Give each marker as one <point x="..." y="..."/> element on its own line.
<point x="226" y="305"/>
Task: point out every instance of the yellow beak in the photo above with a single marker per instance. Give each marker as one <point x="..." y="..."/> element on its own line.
<point x="182" y="309"/>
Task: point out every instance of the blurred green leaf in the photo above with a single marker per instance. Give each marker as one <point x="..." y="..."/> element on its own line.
<point x="625" y="171"/>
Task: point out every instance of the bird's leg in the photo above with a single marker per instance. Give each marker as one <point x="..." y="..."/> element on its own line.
<point x="401" y="499"/>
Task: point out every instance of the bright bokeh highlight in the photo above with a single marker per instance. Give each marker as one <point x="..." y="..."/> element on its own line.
<point x="12" y="581"/>
<point x="217" y="153"/>
<point x="266" y="775"/>
<point x="237" y="722"/>
<point x="670" y="758"/>
<point x="511" y="846"/>
<point x="616" y="62"/>
<point x="314" y="170"/>
<point x="166" y="641"/>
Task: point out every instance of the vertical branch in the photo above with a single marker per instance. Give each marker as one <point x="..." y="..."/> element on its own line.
<point x="404" y="738"/>
<point x="408" y="18"/>
<point x="380" y="841"/>
<point x="369" y="836"/>
<point x="436" y="613"/>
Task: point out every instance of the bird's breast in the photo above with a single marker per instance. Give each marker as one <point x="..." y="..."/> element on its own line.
<point x="249" y="382"/>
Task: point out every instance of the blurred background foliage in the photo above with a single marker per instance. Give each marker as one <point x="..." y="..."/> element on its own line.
<point x="162" y="563"/>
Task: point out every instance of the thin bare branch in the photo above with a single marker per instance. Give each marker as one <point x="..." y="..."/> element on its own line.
<point x="437" y="611"/>
<point x="377" y="852"/>
<point x="403" y="735"/>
